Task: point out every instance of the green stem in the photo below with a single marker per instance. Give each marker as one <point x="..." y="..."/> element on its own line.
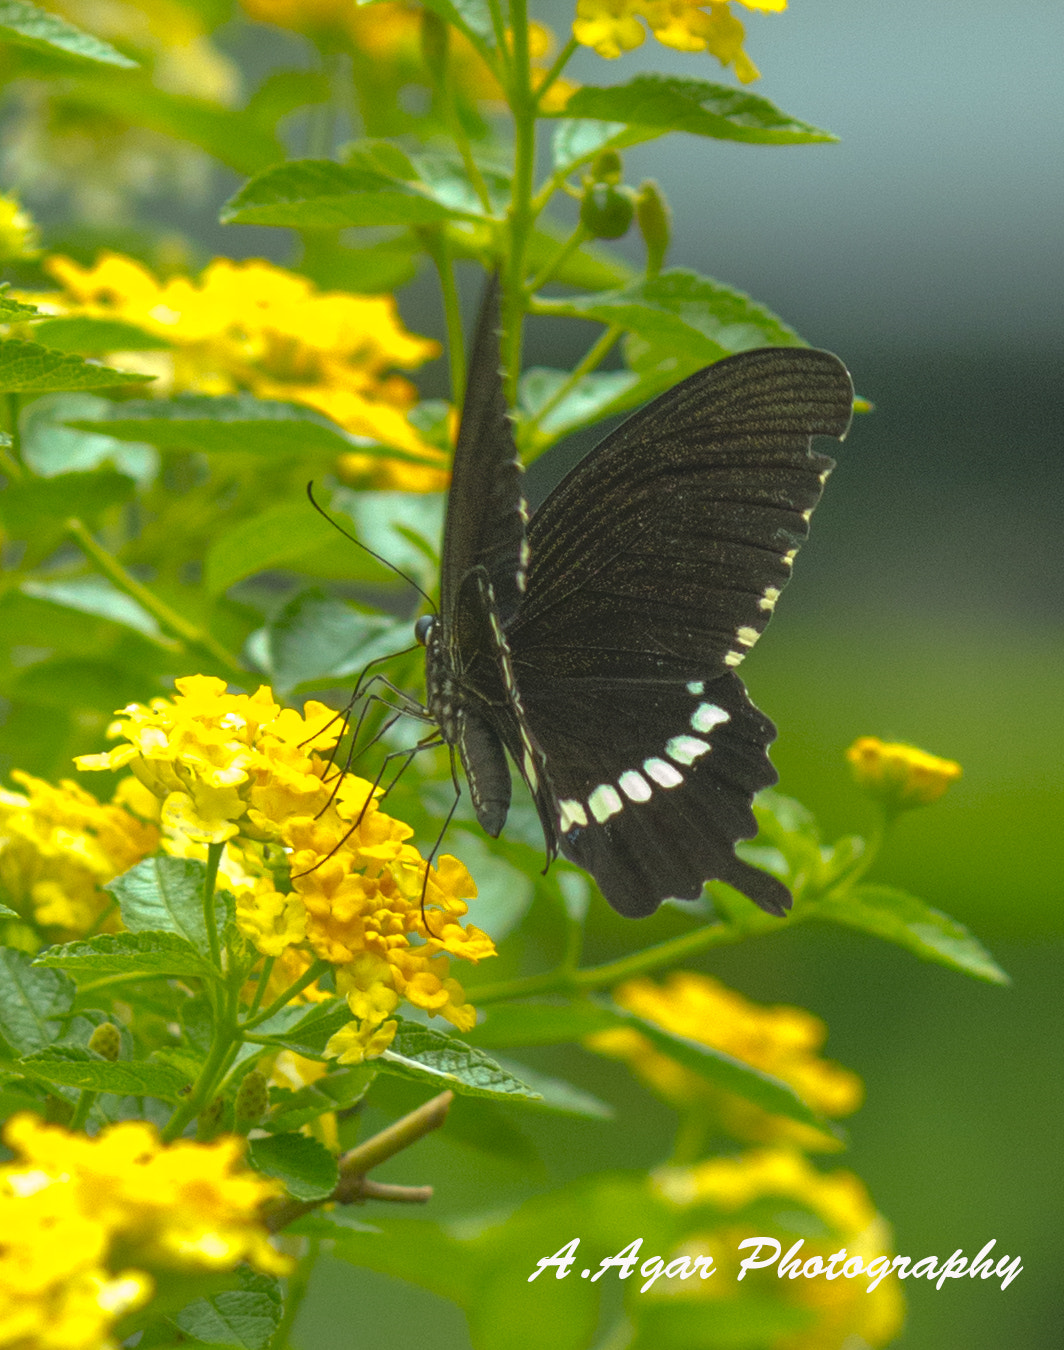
<point x="498" y="24"/>
<point x="563" y="981"/>
<point x="308" y="977"/>
<point x="223" y="1051"/>
<point x="214" y="857"/>
<point x="440" y="252"/>
<point x="531" y="436"/>
<point x="296" y="1286"/>
<point x="261" y="987"/>
<point x="556" y="69"/>
<point x="521" y="216"/>
<point x="578" y="236"/>
<point x="169" y="618"/>
<point x="81" y="1114"/>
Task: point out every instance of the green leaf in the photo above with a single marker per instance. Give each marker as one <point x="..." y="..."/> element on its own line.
<point x="901" y="918"/>
<point x="49" y="448"/>
<point x="73" y="1066"/>
<point x="419" y="1052"/>
<point x="164" y="894"/>
<point x="319" y="193"/>
<point x="280" y="537"/>
<point x="684" y="313"/>
<point x="446" y="178"/>
<point x="237" y="424"/>
<point x="307" y="1168"/>
<point x="403" y="527"/>
<point x="143" y="953"/>
<point x="29" y="368"/>
<point x="96" y="595"/>
<point x="660" y="103"/>
<point x="316" y="639"/>
<point x="514" y="1024"/>
<point x="306" y="1033"/>
<point x="27" y="26"/>
<point x="472" y="16"/>
<point x="89" y="336"/>
<point x="246" y="1317"/>
<point x="40" y="504"/>
<point x="32" y="1002"/>
<point x="414" y="1250"/>
<point x="336" y="1091"/>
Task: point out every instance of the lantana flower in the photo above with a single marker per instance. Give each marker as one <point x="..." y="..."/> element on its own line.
<point x="899" y="776"/>
<point x="241" y="771"/>
<point x="781" y="1041"/>
<point x="842" y="1312"/>
<point x="253" y="326"/>
<point x="613" y="26"/>
<point x="87" y="1224"/>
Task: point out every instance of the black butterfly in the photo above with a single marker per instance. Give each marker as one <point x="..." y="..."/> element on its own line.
<point x="597" y="642"/>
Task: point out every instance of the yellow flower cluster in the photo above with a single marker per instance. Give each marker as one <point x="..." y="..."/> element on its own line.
<point x="253" y="326"/>
<point x="845" y="1311"/>
<point x="59" y="846"/>
<point x="389" y="38"/>
<point x="613" y="27"/>
<point x="86" y="1224"/>
<point x="900" y="776"/>
<point x="781" y="1041"/>
<point x="240" y="769"/>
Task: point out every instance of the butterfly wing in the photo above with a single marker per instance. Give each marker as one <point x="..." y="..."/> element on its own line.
<point x="654" y="567"/>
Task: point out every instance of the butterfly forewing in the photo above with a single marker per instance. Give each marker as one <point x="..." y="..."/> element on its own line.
<point x="601" y="653"/>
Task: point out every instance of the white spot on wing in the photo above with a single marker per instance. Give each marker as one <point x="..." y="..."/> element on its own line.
<point x="788" y="558"/>
<point x="605" y="801"/>
<point x="696" y="687"/>
<point x="662" y="773"/>
<point x="686" y="749"/>
<point x="733" y="658"/>
<point x="707" y="716"/>
<point x="634" y="786"/>
<point x="747" y="636"/>
<point x="768" y="600"/>
<point x="572" y="813"/>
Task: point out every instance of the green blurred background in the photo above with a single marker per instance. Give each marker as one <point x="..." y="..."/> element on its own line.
<point x="925" y="250"/>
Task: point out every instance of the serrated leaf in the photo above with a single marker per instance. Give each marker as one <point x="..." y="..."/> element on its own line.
<point x="88" y="336"/>
<point x="422" y="1053"/>
<point x="335" y="1091"/>
<point x="668" y="103"/>
<point x="73" y="1066"/>
<point x="682" y="312"/>
<point x="29" y="368"/>
<point x="32" y="1002"/>
<point x="446" y="179"/>
<point x="576" y="141"/>
<point x="96" y="595"/>
<point x="39" y="504"/>
<point x="165" y="895"/>
<point x="307" y="1168"/>
<point x="315" y="639"/>
<point x="910" y="922"/>
<point x="49" y="448"/>
<point x="246" y="1318"/>
<point x="146" y="952"/>
<point x="306" y="1033"/>
<point x="319" y="193"/>
<point x="27" y="26"/>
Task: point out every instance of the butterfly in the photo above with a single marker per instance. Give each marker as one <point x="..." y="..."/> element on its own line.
<point x="596" y="643"/>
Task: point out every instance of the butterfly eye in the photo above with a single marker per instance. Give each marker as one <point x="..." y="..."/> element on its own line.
<point x="423" y="628"/>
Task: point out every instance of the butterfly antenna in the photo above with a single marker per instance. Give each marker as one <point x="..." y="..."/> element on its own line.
<point x="439" y="841"/>
<point x="383" y="561"/>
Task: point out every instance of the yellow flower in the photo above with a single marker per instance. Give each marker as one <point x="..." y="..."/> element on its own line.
<point x="846" y="1312"/>
<point x="240" y="770"/>
<point x="781" y="1041"/>
<point x="613" y="26"/>
<point x="253" y="326"/>
<point x="59" y="846"/>
<point x="85" y="1222"/>
<point x="900" y="776"/>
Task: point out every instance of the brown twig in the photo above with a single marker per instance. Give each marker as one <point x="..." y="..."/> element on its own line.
<point x="354" y="1186"/>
